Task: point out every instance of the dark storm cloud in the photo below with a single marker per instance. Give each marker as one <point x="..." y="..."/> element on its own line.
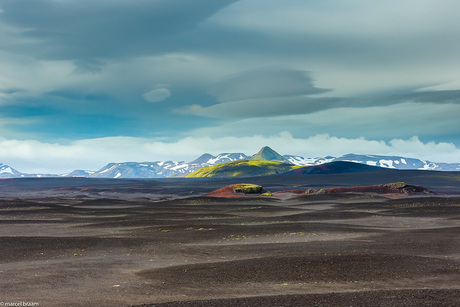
<point x="85" y="30"/>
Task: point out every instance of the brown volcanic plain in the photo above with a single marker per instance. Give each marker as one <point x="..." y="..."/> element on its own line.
<point x="87" y="242"/>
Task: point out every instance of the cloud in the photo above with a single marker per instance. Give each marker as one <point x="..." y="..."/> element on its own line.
<point x="352" y="48"/>
<point x="267" y="82"/>
<point x="268" y="91"/>
<point x="430" y="121"/>
<point x="329" y="68"/>
<point x="33" y="156"/>
<point x="250" y="97"/>
<point x="22" y="76"/>
<point x="263" y="107"/>
<point x="26" y="76"/>
<point x="442" y="96"/>
<point x="157" y="95"/>
<point x="363" y="17"/>
<point x="87" y="30"/>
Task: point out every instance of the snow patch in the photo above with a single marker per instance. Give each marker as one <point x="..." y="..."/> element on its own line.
<point x="429" y="166"/>
<point x="181" y="166"/>
<point x="219" y="158"/>
<point x="6" y="170"/>
<point x="109" y="169"/>
<point x="387" y="163"/>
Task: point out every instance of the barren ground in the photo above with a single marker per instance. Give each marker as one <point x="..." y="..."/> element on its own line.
<point x="339" y="251"/>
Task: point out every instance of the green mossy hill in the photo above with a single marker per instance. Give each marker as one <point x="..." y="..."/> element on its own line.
<point x="243" y="168"/>
<point x="268" y="154"/>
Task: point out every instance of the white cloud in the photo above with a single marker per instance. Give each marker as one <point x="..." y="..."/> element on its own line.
<point x="157" y="95"/>
<point x="26" y="77"/>
<point x="92" y="154"/>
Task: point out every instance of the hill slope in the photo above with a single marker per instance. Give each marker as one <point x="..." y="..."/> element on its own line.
<point x="243" y="168"/>
<point x="268" y="154"/>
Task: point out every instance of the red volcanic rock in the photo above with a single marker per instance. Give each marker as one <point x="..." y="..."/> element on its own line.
<point x="389" y="188"/>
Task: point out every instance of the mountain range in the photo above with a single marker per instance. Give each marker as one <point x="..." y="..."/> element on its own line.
<point x="162" y="169"/>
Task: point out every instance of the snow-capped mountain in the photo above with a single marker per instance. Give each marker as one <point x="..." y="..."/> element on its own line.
<point x="390" y="162"/>
<point x="162" y="169"/>
<point x="209" y="159"/>
<point x="394" y="162"/>
<point x="298" y="160"/>
<point x="79" y="173"/>
<point x="157" y="169"/>
<point x="7" y="171"/>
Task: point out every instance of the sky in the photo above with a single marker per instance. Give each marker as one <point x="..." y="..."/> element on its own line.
<point x="88" y="82"/>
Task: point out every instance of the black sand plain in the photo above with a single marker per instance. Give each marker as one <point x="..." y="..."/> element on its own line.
<point x="99" y="242"/>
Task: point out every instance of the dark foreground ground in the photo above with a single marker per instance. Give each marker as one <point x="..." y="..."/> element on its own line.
<point x="318" y="251"/>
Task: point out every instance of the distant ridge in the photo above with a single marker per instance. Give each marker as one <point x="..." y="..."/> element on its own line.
<point x="337" y="167"/>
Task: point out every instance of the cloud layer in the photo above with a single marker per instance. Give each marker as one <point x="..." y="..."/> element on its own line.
<point x="73" y="70"/>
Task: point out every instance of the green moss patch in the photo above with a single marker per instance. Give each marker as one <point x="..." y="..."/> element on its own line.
<point x="243" y="168"/>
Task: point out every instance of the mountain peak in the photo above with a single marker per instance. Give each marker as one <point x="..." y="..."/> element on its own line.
<point x="203" y="158"/>
<point x="268" y="154"/>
